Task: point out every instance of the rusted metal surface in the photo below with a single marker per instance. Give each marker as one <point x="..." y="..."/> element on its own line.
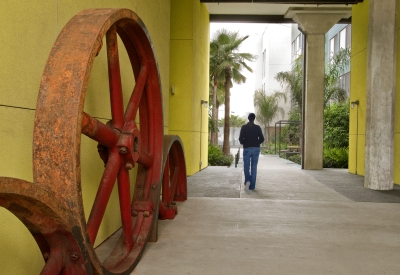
<point x="64" y="236"/>
<point x="174" y="180"/>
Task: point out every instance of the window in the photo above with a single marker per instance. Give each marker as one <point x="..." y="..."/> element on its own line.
<point x="297" y="47"/>
<point x="333" y="46"/>
<point x="340" y="41"/>
<point x="344" y="83"/>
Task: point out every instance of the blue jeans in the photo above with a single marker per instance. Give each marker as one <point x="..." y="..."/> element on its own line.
<point x="250" y="161"/>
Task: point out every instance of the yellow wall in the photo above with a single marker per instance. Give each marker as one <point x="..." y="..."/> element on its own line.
<point x="189" y="75"/>
<point x="358" y="87"/>
<point x="29" y="29"/>
<point x="359" y="91"/>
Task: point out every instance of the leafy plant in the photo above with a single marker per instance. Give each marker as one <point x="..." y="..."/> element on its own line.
<point x="212" y="126"/>
<point x="292" y="81"/>
<point x="227" y="62"/>
<point x="291" y="132"/>
<point x="267" y="108"/>
<point x="295" y="158"/>
<point x="336" y="125"/>
<point x="235" y="121"/>
<point x="217" y="158"/>
<point x="336" y="157"/>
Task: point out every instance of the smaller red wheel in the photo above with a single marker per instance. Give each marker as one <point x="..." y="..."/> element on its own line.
<point x="174" y="182"/>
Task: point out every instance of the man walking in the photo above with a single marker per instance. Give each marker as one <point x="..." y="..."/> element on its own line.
<point x="250" y="137"/>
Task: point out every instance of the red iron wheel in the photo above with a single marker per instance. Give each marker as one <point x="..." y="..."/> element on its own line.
<point x="174" y="181"/>
<point x="122" y="143"/>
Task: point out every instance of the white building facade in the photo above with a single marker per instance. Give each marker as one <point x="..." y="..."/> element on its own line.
<point x="274" y="51"/>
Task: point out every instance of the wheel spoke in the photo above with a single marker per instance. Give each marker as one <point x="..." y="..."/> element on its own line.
<point x="98" y="131"/>
<point x="173" y="184"/>
<point x="166" y="181"/>
<point x="145" y="159"/>
<point x="136" y="96"/>
<point x="103" y="195"/>
<point x="125" y="206"/>
<point x="114" y="78"/>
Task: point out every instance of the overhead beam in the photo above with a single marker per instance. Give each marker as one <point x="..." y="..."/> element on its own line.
<point x="317" y="2"/>
<point x="258" y="18"/>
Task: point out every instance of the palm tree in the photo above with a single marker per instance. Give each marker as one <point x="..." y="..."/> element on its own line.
<point x="334" y="69"/>
<point x="228" y="62"/>
<point x="267" y="108"/>
<point x="217" y="98"/>
<point x="217" y="78"/>
<point x="234" y="121"/>
<point x="292" y="81"/>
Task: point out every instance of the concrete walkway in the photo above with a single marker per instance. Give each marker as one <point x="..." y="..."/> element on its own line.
<point x="295" y="222"/>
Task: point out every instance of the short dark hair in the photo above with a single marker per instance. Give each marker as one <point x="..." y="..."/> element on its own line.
<point x="251" y="117"/>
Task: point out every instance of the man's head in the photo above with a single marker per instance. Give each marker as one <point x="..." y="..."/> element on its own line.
<point x="251" y="117"/>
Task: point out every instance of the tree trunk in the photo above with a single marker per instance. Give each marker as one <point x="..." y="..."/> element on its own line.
<point x="226" y="146"/>
<point x="266" y="135"/>
<point x="214" y="114"/>
<point x="217" y="123"/>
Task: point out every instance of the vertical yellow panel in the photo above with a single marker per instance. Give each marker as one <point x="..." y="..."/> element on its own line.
<point x="359" y="25"/>
<point x="358" y="87"/>
<point x="361" y="155"/>
<point x="28" y="31"/>
<point x="189" y="77"/>
<point x="352" y="154"/>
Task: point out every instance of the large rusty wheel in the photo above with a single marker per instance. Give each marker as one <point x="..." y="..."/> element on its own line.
<point x="133" y="136"/>
<point x="174" y="181"/>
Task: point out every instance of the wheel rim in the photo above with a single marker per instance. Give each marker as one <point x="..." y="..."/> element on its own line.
<point x="174" y="181"/>
<point x="60" y="120"/>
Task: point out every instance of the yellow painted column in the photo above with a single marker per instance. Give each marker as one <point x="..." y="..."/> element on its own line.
<point x="189" y="79"/>
<point x="358" y="87"/>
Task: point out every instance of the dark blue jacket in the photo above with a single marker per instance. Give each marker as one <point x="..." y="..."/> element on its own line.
<point x="251" y="135"/>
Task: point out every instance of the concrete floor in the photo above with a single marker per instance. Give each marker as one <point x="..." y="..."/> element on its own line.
<point x="295" y="222"/>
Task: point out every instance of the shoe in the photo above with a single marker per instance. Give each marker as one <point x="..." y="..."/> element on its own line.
<point x="246" y="186"/>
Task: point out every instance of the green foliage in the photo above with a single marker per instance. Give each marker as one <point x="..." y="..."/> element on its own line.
<point x="336" y="157"/>
<point x="235" y="121"/>
<point x="226" y="64"/>
<point x="336" y="125"/>
<point x="295" y="158"/>
<point x="292" y="81"/>
<point x="333" y="70"/>
<point x="268" y="150"/>
<point x="217" y="158"/>
<point x="212" y="126"/>
<point x="267" y="108"/>
<point x="291" y="132"/>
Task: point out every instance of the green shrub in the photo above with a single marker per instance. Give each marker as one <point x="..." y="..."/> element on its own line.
<point x="336" y="125"/>
<point x="291" y="132"/>
<point x="336" y="157"/>
<point x="270" y="150"/>
<point x="217" y="158"/>
<point x="295" y="158"/>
